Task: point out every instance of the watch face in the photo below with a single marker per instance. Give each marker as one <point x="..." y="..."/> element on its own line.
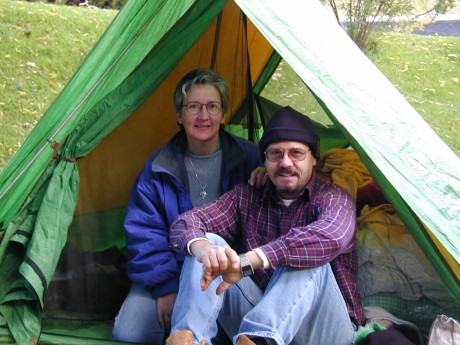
<point x="246" y="268"/>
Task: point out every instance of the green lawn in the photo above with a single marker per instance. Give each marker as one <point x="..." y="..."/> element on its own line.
<point x="43" y="45"/>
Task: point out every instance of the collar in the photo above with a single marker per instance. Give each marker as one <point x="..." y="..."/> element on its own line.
<point x="177" y="146"/>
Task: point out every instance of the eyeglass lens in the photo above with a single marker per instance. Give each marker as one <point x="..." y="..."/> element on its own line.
<point x="295" y="154"/>
<point x="213" y="108"/>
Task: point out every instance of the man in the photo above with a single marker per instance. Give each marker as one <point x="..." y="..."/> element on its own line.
<point x="294" y="281"/>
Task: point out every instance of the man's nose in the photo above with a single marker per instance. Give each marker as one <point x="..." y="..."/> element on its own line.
<point x="285" y="161"/>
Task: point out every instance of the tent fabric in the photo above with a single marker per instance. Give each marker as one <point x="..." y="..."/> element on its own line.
<point x="398" y="146"/>
<point x="127" y="41"/>
<point x="57" y="197"/>
<point x="74" y="163"/>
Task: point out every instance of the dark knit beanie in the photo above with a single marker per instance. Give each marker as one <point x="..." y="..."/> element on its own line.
<point x="287" y="124"/>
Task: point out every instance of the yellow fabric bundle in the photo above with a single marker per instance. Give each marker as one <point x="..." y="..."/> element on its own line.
<point x="346" y="169"/>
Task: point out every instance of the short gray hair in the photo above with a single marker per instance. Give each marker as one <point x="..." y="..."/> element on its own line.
<point x="201" y="77"/>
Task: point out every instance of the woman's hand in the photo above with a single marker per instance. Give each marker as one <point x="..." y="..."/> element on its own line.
<point x="165" y="305"/>
<point x="258" y="178"/>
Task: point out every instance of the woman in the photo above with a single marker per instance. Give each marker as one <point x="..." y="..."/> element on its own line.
<point x="200" y="163"/>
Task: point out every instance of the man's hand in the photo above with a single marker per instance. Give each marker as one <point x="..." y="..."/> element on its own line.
<point x="230" y="276"/>
<point x="258" y="177"/>
<point x="165" y="305"/>
<point x="217" y="260"/>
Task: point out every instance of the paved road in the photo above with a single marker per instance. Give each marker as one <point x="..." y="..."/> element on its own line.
<point x="441" y="28"/>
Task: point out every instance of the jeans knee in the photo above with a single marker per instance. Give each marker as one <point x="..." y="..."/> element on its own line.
<point x="216" y="239"/>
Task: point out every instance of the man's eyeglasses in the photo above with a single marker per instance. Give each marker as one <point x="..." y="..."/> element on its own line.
<point x="213" y="108"/>
<point x="295" y="154"/>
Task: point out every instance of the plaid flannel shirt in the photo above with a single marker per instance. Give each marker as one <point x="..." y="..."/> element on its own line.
<point x="316" y="229"/>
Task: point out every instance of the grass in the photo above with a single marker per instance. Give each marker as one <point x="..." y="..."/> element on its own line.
<point x="42" y="47"/>
<point x="34" y="68"/>
<point x="426" y="70"/>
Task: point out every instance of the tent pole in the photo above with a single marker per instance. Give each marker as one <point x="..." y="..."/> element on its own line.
<point x="250" y="96"/>
<point x="216" y="41"/>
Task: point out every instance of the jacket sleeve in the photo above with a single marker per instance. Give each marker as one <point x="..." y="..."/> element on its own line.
<point x="152" y="262"/>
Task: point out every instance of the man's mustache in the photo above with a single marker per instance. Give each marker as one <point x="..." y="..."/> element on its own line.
<point x="286" y="171"/>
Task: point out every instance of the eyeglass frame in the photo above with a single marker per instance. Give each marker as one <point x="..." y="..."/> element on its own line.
<point x="201" y="107"/>
<point x="288" y="153"/>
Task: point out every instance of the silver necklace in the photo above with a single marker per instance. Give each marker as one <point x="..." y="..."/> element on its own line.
<point x="203" y="193"/>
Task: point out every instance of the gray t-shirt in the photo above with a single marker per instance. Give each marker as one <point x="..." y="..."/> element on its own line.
<point x="204" y="177"/>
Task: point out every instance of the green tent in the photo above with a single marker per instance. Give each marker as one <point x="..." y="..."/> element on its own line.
<point x="63" y="195"/>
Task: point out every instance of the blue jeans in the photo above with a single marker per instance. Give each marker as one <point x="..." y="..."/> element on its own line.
<point x="137" y="320"/>
<point x="299" y="306"/>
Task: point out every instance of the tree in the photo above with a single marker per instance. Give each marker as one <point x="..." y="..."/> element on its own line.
<point x="362" y="17"/>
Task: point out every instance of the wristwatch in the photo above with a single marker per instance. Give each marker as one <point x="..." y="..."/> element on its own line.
<point x="246" y="267"/>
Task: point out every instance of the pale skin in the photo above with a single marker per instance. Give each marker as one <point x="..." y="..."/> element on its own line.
<point x="221" y="260"/>
<point x="290" y="179"/>
<point x="202" y="132"/>
<point x="202" y="129"/>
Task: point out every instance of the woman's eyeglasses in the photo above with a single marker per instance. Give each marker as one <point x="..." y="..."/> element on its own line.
<point x="213" y="108"/>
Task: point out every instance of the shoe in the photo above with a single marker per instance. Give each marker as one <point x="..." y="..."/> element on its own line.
<point x="180" y="338"/>
<point x="244" y="340"/>
<point x="183" y="338"/>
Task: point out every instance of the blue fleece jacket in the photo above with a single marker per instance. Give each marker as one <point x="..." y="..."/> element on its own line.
<point x="160" y="194"/>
